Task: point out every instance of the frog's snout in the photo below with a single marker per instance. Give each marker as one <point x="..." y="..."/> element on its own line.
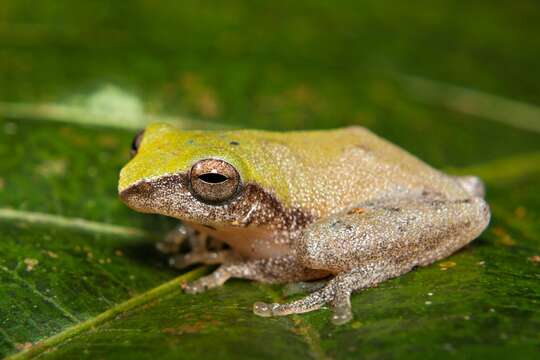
<point x="165" y="195"/>
<point x="137" y="194"/>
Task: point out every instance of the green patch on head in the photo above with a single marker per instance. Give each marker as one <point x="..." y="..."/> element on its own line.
<point x="166" y="149"/>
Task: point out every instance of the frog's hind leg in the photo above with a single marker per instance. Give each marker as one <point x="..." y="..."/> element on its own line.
<point x="336" y="292"/>
<point x="368" y="245"/>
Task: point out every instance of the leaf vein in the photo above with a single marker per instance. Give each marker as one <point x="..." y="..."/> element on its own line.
<point x="513" y="113"/>
<point x="41" y="295"/>
<point x="107" y="315"/>
<point x="7" y="337"/>
<point x="67" y="222"/>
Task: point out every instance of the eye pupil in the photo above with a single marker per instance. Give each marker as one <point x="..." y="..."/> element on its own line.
<point x="213" y="178"/>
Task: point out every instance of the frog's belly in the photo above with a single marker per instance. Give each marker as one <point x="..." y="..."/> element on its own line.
<point x="252" y="243"/>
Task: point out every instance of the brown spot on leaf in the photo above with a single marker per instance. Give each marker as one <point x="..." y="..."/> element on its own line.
<point x="108" y="141"/>
<point x="356" y="325"/>
<point x="503" y="237"/>
<point x="535" y="259"/>
<point x="200" y="96"/>
<point x="23" y="346"/>
<point x="190" y="328"/>
<point x="51" y="254"/>
<point x="447" y="265"/>
<point x="520" y="212"/>
<point x="73" y="136"/>
<point x="507" y="241"/>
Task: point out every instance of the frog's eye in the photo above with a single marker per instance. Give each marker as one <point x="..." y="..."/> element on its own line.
<point x="136" y="143"/>
<point x="214" y="181"/>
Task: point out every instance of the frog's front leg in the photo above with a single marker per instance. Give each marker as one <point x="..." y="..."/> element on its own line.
<point x="202" y="249"/>
<point x="174" y="239"/>
<point x="182" y="261"/>
<point x="282" y="269"/>
<point x="369" y="244"/>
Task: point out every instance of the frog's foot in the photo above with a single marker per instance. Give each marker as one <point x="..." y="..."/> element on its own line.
<point x="336" y="293"/>
<point x="183" y="261"/>
<point x="216" y="279"/>
<point x="175" y="238"/>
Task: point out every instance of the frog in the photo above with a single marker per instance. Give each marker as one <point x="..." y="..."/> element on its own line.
<point x="326" y="212"/>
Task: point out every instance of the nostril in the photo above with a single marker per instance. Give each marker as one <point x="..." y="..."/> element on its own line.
<point x="144" y="187"/>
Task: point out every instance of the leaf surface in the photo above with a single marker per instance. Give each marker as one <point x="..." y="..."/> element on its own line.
<point x="79" y="276"/>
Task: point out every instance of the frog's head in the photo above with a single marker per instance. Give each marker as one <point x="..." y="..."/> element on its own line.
<point x="205" y="177"/>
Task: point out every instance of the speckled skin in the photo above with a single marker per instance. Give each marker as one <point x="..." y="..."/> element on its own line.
<point x="343" y="204"/>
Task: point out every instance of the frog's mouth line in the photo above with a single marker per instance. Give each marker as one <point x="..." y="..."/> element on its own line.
<point x="169" y="195"/>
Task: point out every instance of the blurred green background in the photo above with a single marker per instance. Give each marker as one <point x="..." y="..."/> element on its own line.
<point x="272" y="64"/>
<point x="456" y="83"/>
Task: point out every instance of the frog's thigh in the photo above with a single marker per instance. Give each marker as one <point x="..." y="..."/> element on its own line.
<point x="395" y="237"/>
<point x="365" y="246"/>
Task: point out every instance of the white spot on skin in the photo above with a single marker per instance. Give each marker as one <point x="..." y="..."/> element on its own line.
<point x="251" y="211"/>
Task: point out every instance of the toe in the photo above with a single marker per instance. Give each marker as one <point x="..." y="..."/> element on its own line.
<point x="263" y="309"/>
<point x="341" y="306"/>
<point x="194" y="287"/>
<point x="179" y="261"/>
<point x="341" y="316"/>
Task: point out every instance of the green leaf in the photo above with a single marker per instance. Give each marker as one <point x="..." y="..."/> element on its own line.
<point x="88" y="288"/>
<point x="79" y="276"/>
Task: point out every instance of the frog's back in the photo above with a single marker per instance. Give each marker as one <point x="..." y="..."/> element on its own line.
<point x="328" y="171"/>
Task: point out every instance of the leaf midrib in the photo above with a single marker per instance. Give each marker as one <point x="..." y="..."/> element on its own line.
<point x="72" y="223"/>
<point x="134" y="302"/>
